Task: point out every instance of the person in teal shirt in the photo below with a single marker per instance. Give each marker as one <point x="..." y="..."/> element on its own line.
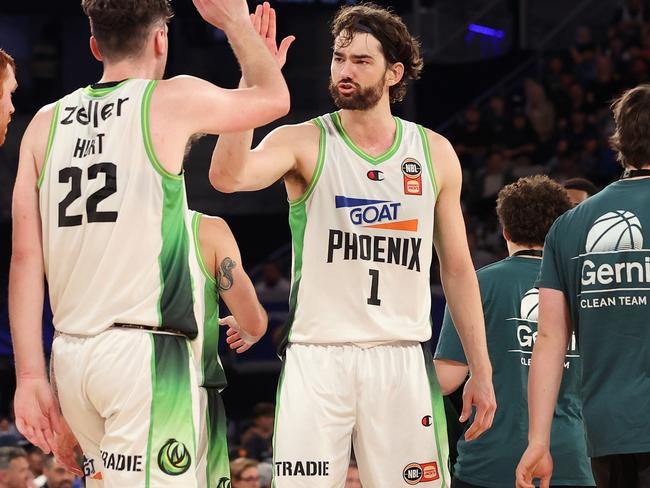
<point x="526" y="210"/>
<point x="595" y="281"/>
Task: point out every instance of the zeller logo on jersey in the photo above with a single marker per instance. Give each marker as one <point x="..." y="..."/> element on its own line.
<point x="375" y="214"/>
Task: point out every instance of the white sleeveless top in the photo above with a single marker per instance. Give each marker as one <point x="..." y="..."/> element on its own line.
<point x="363" y="241"/>
<point x="116" y="230"/>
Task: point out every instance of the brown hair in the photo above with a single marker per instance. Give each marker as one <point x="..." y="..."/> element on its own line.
<point x="239" y="465"/>
<point x="632" y="117"/>
<point x="397" y="44"/>
<point x="528" y="207"/>
<point x="5" y="60"/>
<point x="121" y="26"/>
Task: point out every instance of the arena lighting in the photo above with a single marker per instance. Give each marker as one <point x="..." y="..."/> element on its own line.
<point x="486" y="31"/>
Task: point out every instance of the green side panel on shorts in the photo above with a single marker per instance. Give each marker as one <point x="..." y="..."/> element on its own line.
<point x="176" y="302"/>
<point x="172" y="440"/>
<point x="438" y="412"/>
<point x="218" y="463"/>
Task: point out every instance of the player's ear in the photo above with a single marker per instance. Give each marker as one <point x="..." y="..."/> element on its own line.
<point x="94" y="48"/>
<point x="506" y="236"/>
<point x="160" y="41"/>
<point x="395" y="73"/>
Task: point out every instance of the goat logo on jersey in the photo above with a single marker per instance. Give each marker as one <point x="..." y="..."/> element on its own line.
<point x="376" y="214"/>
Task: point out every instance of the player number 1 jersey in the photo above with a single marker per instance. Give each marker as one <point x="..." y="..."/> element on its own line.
<point x="363" y="241"/>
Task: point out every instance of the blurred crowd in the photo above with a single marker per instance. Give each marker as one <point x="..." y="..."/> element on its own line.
<point x="557" y="121"/>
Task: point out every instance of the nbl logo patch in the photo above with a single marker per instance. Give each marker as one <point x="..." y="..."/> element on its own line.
<point x="412" y="171"/>
<point x="416" y="473"/>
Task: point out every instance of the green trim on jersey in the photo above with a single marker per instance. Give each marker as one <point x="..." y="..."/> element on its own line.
<point x="319" y="165"/>
<point x="101" y="92"/>
<point x="146" y="133"/>
<point x="336" y="118"/>
<point x="176" y="301"/>
<point x="196" y="221"/>
<point x="171" y="447"/>
<point x="427" y="153"/>
<point x="213" y="375"/>
<point x="50" y="142"/>
<point x="298" y="224"/>
<point x="217" y="470"/>
<point x="438" y="411"/>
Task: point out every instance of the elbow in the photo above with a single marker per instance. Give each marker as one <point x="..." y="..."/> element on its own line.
<point x="223" y="182"/>
<point x="281" y="103"/>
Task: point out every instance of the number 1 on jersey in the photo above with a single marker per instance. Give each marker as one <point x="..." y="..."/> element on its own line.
<point x="374" y="287"/>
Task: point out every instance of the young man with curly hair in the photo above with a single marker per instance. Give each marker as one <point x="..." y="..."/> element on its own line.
<point x="370" y="195"/>
<point x="99" y="207"/>
<point x="526" y="210"/>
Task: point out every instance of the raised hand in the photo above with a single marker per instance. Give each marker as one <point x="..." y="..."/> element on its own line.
<point x="37" y="412"/>
<point x="222" y="13"/>
<point x="264" y="23"/>
<point x="478" y="393"/>
<point x="237" y="339"/>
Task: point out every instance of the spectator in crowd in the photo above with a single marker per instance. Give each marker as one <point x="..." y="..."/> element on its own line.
<point x="539" y="110"/>
<point x="9" y="436"/>
<point x="244" y="473"/>
<point x="257" y="440"/>
<point x="579" y="189"/>
<point x="471" y="138"/>
<point x="352" y="480"/>
<point x="497" y="118"/>
<point x="36" y="459"/>
<point x="273" y="287"/>
<point x="56" y="475"/>
<point x="520" y="140"/>
<point x="14" y="468"/>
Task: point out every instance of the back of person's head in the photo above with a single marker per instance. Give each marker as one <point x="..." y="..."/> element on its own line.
<point x="264" y="409"/>
<point x="121" y="27"/>
<point x="632" y="117"/>
<point x="528" y="207"/>
<point x="6" y="62"/>
<point x="14" y="469"/>
<point x="579" y="189"/>
<point x="240" y="470"/>
<point x="397" y="43"/>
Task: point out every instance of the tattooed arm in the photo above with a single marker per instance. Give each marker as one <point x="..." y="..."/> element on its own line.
<point x="221" y="254"/>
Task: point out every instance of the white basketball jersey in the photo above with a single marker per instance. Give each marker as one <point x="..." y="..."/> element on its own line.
<point x="115" y="222"/>
<point x="363" y="241"/>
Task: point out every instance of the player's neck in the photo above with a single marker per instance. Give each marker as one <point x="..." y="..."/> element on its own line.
<point x="128" y="69"/>
<point x="632" y="176"/>
<point x="515" y="248"/>
<point x="372" y="127"/>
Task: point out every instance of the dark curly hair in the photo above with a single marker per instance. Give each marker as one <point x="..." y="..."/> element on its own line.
<point x="528" y="207"/>
<point x="632" y="117"/>
<point x="121" y="26"/>
<point x="397" y="44"/>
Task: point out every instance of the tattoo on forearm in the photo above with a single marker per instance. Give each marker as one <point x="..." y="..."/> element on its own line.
<point x="225" y="279"/>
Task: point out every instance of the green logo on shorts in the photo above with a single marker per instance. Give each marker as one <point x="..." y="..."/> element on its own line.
<point x="173" y="458"/>
<point x="224" y="483"/>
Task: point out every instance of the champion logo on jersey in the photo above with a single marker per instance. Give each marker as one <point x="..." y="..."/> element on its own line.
<point x="375" y="175"/>
<point x="376" y="214"/>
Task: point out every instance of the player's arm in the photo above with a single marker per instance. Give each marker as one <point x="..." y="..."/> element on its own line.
<point x="461" y="286"/>
<point x="451" y="374"/>
<point x="201" y="107"/>
<point x="235" y="167"/>
<point x="553" y="335"/>
<point x="37" y="411"/>
<point x="233" y="283"/>
<point x="449" y="359"/>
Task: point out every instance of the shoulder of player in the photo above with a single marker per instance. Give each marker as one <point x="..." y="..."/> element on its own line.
<point x="296" y="133"/>
<point x="215" y="234"/>
<point x="38" y="129"/>
<point x="490" y="270"/>
<point x="443" y="157"/>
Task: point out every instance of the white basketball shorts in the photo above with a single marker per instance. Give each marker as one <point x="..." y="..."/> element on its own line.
<point x="384" y="400"/>
<point x="131" y="399"/>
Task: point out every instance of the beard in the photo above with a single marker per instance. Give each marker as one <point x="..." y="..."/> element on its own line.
<point x="363" y="98"/>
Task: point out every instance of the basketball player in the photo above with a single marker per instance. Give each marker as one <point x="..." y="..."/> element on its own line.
<point x="99" y="206"/>
<point x="526" y="210"/>
<point x="594" y="281"/>
<point x="8" y="86"/>
<point x="221" y="275"/>
<point x="363" y="188"/>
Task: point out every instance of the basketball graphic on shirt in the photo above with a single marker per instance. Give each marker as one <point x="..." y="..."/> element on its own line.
<point x="615" y="231"/>
<point x="530" y="305"/>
